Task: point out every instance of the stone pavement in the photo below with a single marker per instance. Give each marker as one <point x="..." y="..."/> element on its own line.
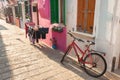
<point x="19" y="60"/>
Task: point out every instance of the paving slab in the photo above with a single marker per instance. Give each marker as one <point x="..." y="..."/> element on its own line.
<point x="20" y="60"/>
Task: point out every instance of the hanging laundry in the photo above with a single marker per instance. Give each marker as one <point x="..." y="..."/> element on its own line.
<point x="43" y="32"/>
<point x="35" y="33"/>
<point x="27" y="24"/>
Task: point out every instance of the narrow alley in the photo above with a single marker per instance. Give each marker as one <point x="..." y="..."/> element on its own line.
<point x="20" y="60"/>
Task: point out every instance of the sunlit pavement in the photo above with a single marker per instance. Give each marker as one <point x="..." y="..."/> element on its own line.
<point x="20" y="60"/>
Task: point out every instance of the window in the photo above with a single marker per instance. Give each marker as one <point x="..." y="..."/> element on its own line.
<point x="17" y="11"/>
<point x="20" y="10"/>
<point x="27" y="10"/>
<point x="26" y="6"/>
<point x="62" y="11"/>
<point x="85" y="16"/>
<point x="34" y="8"/>
<point x="57" y="11"/>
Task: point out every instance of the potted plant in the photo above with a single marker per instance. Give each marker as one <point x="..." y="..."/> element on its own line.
<point x="57" y="29"/>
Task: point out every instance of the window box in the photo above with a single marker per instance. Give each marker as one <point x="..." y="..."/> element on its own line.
<point x="57" y="27"/>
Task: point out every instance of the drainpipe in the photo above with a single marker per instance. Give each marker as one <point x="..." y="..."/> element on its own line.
<point x="112" y="35"/>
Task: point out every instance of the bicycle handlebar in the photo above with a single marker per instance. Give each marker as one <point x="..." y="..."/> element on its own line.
<point x="91" y="42"/>
<point x="75" y="37"/>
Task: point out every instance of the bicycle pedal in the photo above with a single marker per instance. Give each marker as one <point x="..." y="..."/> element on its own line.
<point x="81" y="66"/>
<point x="61" y="61"/>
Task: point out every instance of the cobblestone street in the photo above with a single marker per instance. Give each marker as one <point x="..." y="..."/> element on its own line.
<point x="20" y="60"/>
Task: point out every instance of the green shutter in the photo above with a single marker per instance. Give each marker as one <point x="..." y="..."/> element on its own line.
<point x="54" y="11"/>
<point x="64" y="14"/>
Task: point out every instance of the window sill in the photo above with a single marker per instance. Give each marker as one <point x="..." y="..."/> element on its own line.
<point x="84" y="35"/>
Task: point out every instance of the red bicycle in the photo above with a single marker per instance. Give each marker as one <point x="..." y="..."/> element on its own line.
<point x="93" y="62"/>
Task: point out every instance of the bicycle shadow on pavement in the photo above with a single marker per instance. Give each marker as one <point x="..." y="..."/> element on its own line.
<point x="71" y="64"/>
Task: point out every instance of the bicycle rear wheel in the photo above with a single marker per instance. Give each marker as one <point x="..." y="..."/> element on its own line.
<point x="97" y="67"/>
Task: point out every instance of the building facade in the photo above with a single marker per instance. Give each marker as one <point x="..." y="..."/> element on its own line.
<point x="87" y="19"/>
<point x="45" y="14"/>
<point x="104" y="18"/>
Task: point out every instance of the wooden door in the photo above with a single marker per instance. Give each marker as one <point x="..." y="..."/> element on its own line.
<point x="85" y="16"/>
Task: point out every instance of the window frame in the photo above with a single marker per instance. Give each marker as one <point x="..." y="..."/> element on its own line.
<point x="96" y="19"/>
<point x="62" y="16"/>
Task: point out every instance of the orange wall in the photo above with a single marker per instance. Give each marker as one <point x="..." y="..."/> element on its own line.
<point x="17" y="21"/>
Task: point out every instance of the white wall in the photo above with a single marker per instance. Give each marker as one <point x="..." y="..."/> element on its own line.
<point x="116" y="32"/>
<point x="108" y="31"/>
<point x="71" y="11"/>
<point x="71" y="17"/>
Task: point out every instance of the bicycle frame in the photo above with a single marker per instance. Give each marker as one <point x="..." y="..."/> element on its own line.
<point x="88" y="58"/>
<point x="75" y="47"/>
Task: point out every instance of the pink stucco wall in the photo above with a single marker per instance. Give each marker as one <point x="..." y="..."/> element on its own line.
<point x="61" y="39"/>
<point x="34" y="17"/>
<point x="44" y="12"/>
<point x="44" y="20"/>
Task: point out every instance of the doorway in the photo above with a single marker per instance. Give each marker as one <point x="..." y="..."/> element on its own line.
<point x="85" y="16"/>
<point x="35" y="15"/>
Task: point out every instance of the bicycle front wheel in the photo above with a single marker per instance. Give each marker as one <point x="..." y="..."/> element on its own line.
<point x="67" y="51"/>
<point x="95" y="65"/>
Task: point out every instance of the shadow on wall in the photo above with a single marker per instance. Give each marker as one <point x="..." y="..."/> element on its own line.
<point x="5" y="68"/>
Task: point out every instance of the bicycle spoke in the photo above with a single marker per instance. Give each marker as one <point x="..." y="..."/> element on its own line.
<point x="93" y="71"/>
<point x="90" y="67"/>
<point x="98" y="66"/>
<point x="96" y="60"/>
